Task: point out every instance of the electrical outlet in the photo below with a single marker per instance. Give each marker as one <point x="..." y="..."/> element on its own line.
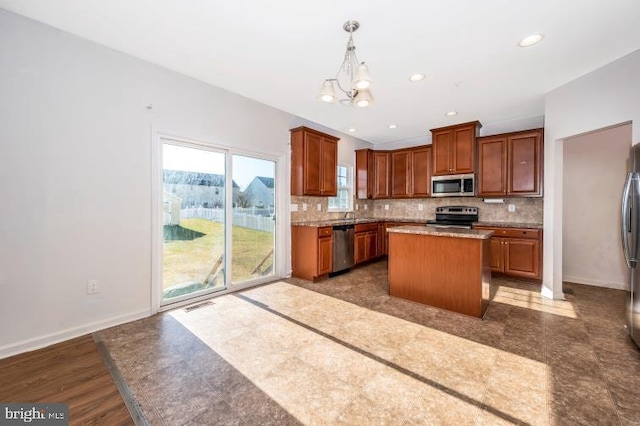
<point x="319" y="207"/>
<point x="512" y="208"/>
<point x="294" y="207"/>
<point x="357" y="207"/>
<point x="366" y="207"/>
<point x="420" y="207"/>
<point x="92" y="286"/>
<point x="304" y="207"/>
<point x="386" y="206"/>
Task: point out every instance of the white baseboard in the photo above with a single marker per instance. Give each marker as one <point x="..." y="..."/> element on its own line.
<point x="596" y="283"/>
<point x="547" y="293"/>
<point x="70" y="333"/>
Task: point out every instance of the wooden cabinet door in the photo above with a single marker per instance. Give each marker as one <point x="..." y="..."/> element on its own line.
<point x="325" y="255"/>
<point x="522" y="257"/>
<point x="312" y="170"/>
<point x="421" y="172"/>
<point x="525" y="163"/>
<point x="381" y="169"/>
<point x="497" y="256"/>
<point x="329" y="166"/>
<point x="441" y="152"/>
<point x="381" y="239"/>
<point x="362" y="174"/>
<point x="463" y="159"/>
<point x="400" y="173"/>
<point x="372" y="245"/>
<point x="492" y="166"/>
<point x="360" y="247"/>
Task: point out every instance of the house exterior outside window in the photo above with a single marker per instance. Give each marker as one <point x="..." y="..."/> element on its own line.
<point x="343" y="202"/>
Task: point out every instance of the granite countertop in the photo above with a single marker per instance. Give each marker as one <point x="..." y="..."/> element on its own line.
<point x="443" y="232"/>
<point x="509" y="225"/>
<point x="331" y="222"/>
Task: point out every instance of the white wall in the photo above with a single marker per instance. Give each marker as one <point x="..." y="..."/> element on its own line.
<point x="595" y="167"/>
<point x="600" y="99"/>
<point x="75" y="175"/>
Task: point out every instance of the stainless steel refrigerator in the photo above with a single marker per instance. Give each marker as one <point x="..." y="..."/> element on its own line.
<point x="630" y="229"/>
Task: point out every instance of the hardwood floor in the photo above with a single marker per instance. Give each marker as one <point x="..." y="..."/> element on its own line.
<point x="71" y="372"/>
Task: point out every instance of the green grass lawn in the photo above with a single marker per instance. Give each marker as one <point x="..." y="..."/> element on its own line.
<point x="191" y="261"/>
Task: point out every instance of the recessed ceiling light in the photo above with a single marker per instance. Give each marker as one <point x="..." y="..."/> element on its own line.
<point x="351" y="130"/>
<point x="531" y="40"/>
<point x="416" y="77"/>
<point x="393" y="126"/>
<point x="451" y="113"/>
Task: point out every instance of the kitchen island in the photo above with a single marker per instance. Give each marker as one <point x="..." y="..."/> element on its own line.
<point x="445" y="268"/>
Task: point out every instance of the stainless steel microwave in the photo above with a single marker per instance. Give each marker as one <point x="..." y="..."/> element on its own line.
<point x="453" y="186"/>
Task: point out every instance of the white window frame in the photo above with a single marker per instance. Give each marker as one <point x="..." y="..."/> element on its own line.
<point x="349" y="188"/>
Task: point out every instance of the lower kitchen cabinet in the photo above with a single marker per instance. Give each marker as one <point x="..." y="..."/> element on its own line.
<point x="365" y="242"/>
<point x="311" y="251"/>
<point x="516" y="251"/>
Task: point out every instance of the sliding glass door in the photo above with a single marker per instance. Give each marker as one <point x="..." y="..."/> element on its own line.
<point x="193" y="197"/>
<point x="218" y="220"/>
<point x="254" y="217"/>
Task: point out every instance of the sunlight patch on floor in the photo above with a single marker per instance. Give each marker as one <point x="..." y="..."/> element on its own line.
<point x="533" y="300"/>
<point x="326" y="360"/>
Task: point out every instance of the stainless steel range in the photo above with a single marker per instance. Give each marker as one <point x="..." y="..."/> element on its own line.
<point x="460" y="217"/>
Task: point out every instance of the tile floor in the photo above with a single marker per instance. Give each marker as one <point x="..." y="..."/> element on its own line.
<point x="342" y="351"/>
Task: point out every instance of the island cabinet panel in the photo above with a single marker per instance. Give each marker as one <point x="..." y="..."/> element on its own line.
<point x="454" y="148"/>
<point x="311" y="252"/>
<point x="445" y="272"/>
<point x="510" y="164"/>
<point x="516" y="251"/>
<point x="314" y="159"/>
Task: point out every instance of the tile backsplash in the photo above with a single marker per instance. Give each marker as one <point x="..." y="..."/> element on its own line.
<point x="527" y="210"/>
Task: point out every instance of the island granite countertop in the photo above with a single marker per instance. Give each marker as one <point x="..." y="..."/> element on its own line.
<point x="478" y="234"/>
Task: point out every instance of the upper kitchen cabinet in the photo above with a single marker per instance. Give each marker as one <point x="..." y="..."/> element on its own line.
<point x="372" y="174"/>
<point x="401" y="166"/>
<point x="411" y="172"/>
<point x="510" y="164"/>
<point x="314" y="161"/>
<point x="454" y="148"/>
<point x="421" y="171"/>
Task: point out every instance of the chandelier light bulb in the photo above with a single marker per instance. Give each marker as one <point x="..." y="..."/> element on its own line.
<point x="328" y="92"/>
<point x="363" y="98"/>
<point x="362" y="79"/>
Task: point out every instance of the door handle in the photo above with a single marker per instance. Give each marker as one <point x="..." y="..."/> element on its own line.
<point x="626" y="221"/>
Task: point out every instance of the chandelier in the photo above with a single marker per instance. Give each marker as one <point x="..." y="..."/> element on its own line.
<point x="352" y="78"/>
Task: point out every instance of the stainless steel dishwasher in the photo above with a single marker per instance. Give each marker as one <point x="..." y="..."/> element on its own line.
<point x="342" y="248"/>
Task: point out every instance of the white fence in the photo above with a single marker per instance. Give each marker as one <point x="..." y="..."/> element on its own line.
<point x="246" y="218"/>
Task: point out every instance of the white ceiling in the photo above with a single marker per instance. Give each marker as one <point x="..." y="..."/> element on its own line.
<point x="279" y="52"/>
